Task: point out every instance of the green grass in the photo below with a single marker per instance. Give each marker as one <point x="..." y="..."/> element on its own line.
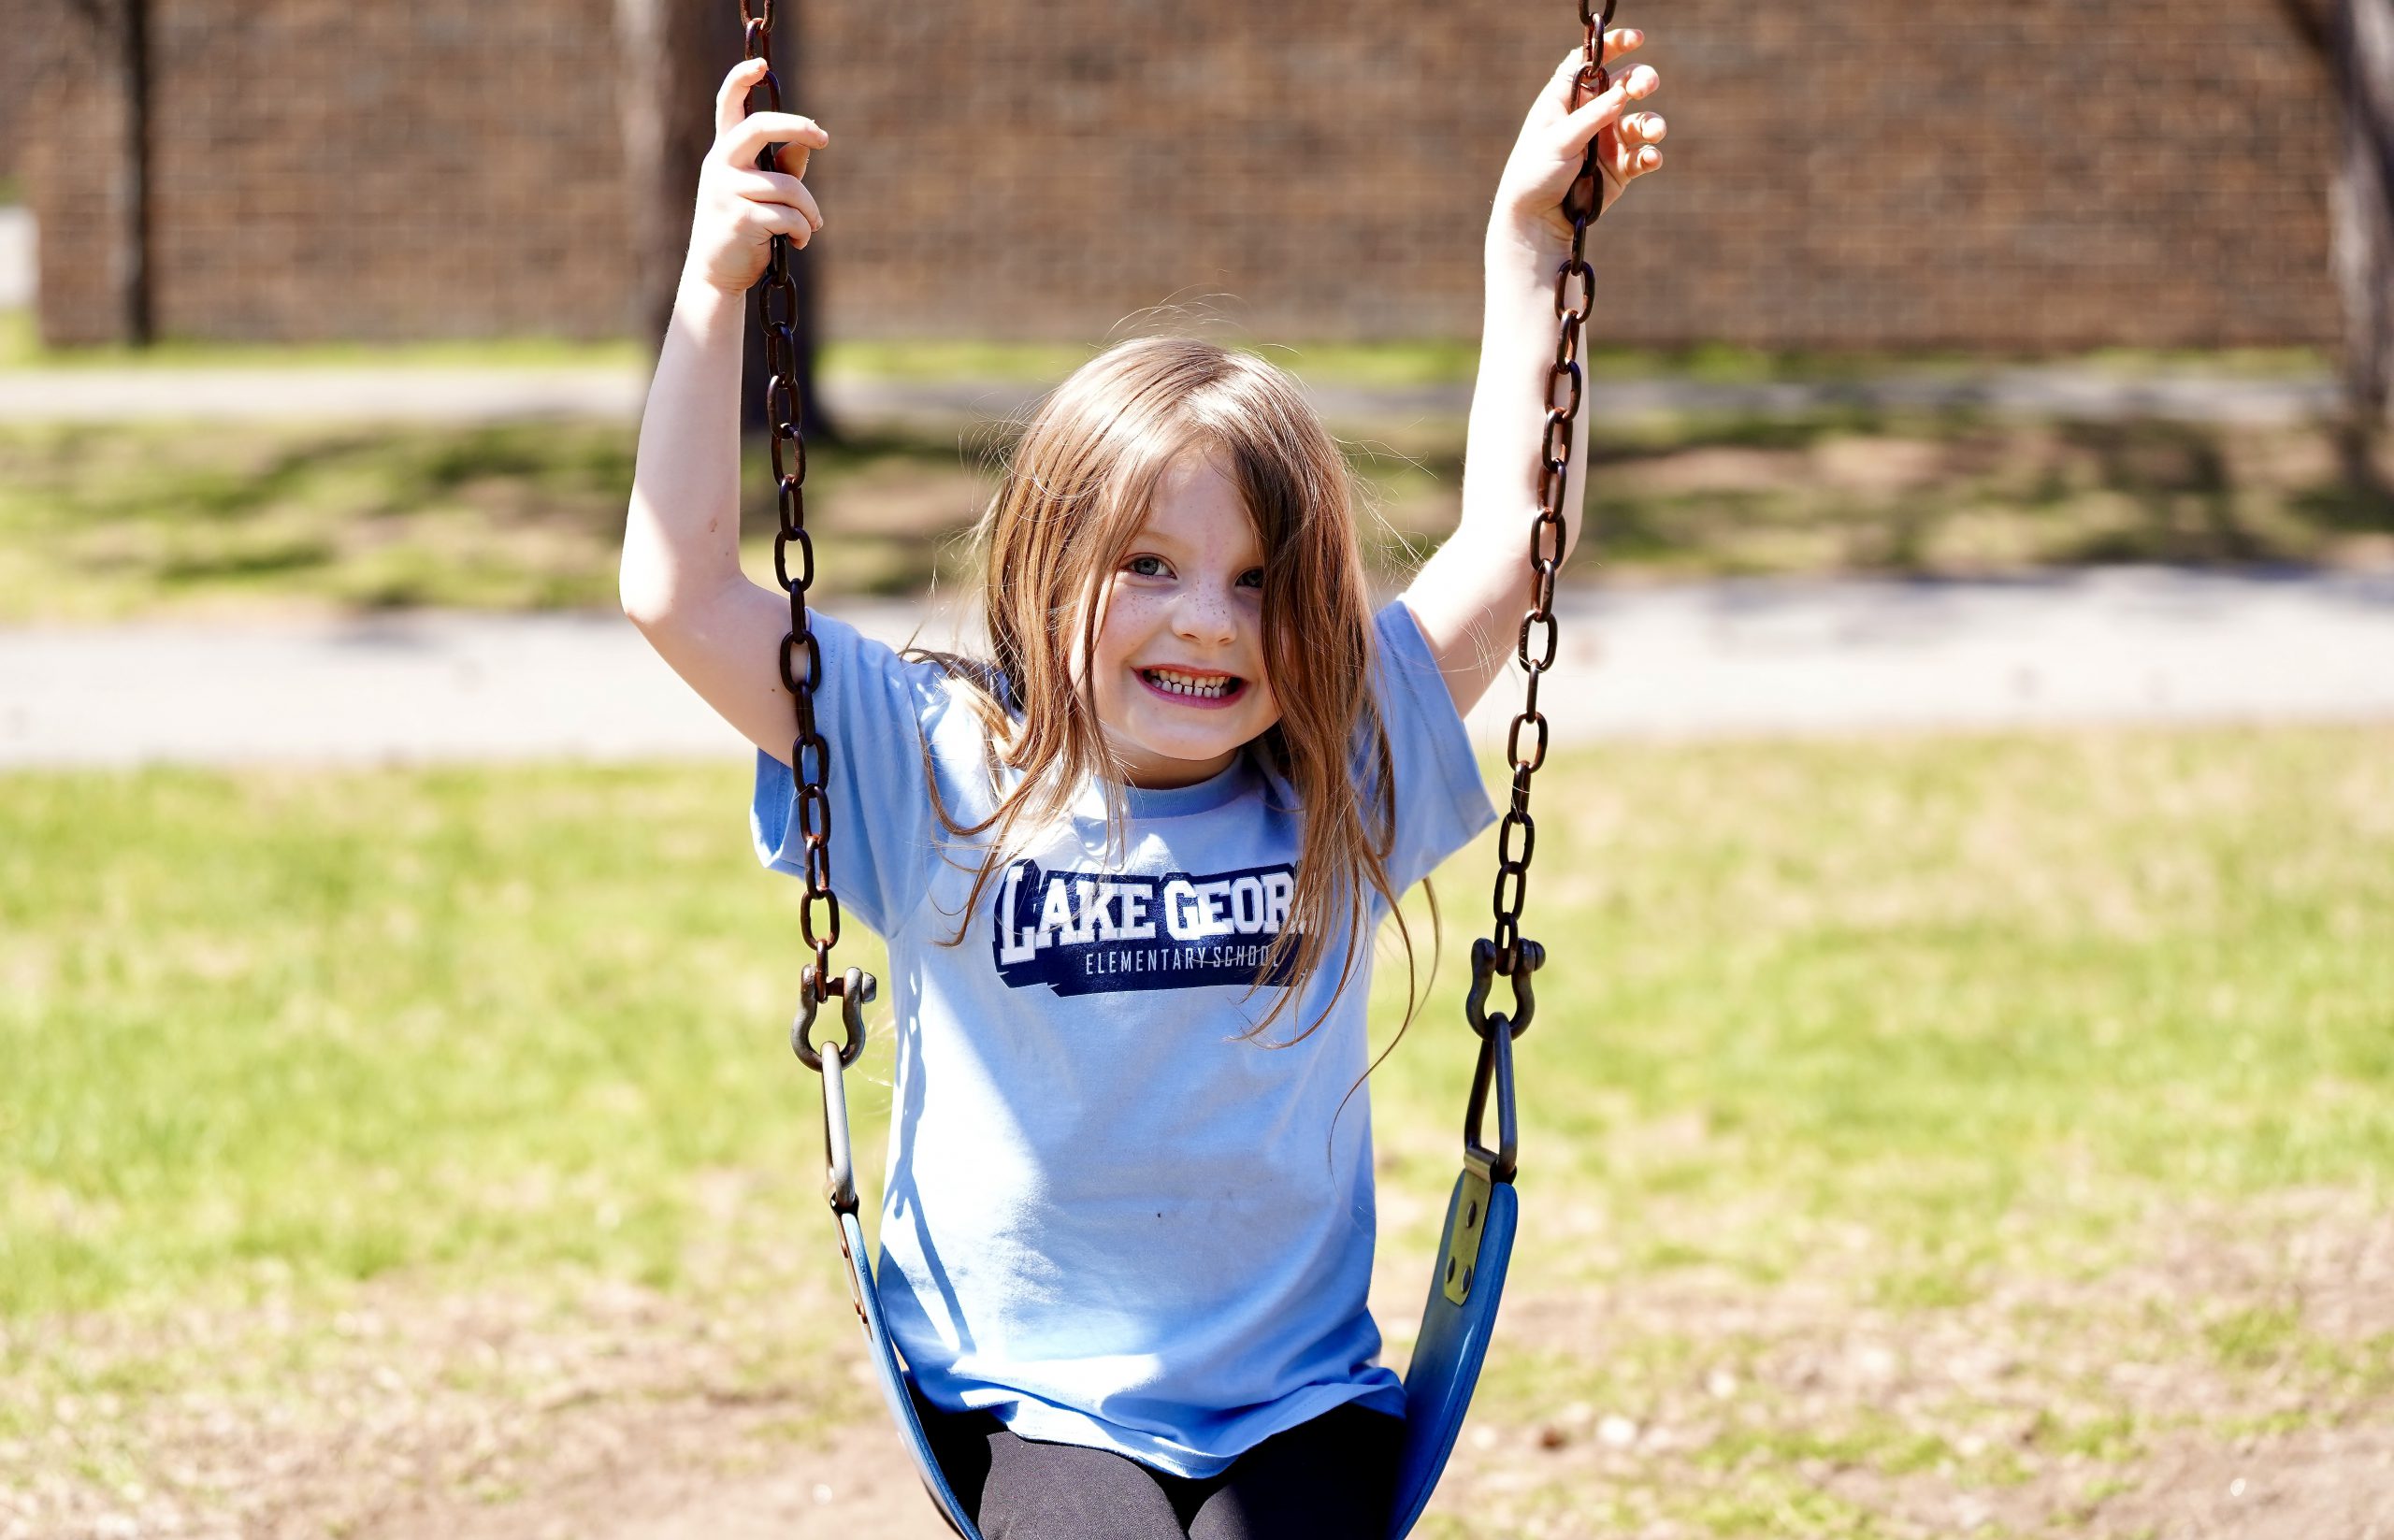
<point x="1402" y="361"/>
<point x="344" y="1024"/>
<point x="1395" y="361"/>
<point x="1939" y="984"/>
<point x="384" y="1031"/>
<point x="108" y="521"/>
<point x="102" y="521"/>
<point x="1841" y="1041"/>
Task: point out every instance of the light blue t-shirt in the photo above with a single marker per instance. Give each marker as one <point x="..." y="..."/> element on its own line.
<point x="1105" y="1219"/>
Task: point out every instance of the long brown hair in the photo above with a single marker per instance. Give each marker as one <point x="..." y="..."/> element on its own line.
<point x="1072" y="494"/>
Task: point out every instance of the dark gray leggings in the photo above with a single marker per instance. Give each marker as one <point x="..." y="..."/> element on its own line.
<point x="1332" y="1478"/>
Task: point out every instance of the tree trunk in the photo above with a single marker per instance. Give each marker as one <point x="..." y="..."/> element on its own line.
<point x="671" y="57"/>
<point x="660" y="167"/>
<point x="2362" y="44"/>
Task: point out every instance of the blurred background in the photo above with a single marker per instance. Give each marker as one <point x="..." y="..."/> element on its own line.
<point x="1963" y="1100"/>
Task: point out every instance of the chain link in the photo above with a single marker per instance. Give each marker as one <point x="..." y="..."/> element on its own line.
<point x="801" y="651"/>
<point x="1539" y="637"/>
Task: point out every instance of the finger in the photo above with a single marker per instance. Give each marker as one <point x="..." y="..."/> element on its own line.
<point x="732" y="97"/>
<point x="1618" y="43"/>
<point x="776" y="187"/>
<point x="1635" y="161"/>
<point x="750" y="134"/>
<point x="1644" y="128"/>
<point x="1602" y="109"/>
<point x="778" y="219"/>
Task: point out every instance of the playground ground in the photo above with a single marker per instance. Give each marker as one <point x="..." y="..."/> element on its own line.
<point x="1964" y="1111"/>
<point x="1928" y="1135"/>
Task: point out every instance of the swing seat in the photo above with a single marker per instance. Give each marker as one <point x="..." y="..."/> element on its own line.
<point x="895" y="1392"/>
<point x="1453" y="1342"/>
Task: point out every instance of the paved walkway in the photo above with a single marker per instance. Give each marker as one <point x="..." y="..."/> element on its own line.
<point x="429" y="394"/>
<point x="2125" y="645"/>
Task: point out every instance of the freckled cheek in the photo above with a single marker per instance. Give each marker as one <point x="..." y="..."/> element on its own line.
<point x="1126" y="625"/>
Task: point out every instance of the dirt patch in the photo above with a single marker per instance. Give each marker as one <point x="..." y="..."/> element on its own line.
<point x="411" y="1412"/>
<point x="2233" y="1375"/>
<point x="707" y="1480"/>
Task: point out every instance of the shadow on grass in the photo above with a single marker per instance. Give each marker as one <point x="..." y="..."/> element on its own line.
<point x="99" y="522"/>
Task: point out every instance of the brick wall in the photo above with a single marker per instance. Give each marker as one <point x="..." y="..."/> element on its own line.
<point x="72" y="144"/>
<point x="1901" y="174"/>
<point x="441" y="168"/>
<point x="26" y="25"/>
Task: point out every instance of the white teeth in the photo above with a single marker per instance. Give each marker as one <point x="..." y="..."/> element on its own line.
<point x="1183" y="684"/>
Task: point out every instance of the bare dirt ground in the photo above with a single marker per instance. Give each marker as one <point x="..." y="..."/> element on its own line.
<point x="2232" y="1377"/>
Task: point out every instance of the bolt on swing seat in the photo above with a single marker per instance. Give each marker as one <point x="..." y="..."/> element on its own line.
<point x="1482" y="1216"/>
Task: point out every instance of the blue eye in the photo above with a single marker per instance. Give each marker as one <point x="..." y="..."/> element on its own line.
<point x="1133" y="565"/>
<point x="1255" y="573"/>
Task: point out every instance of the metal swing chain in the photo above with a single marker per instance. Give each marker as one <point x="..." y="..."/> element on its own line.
<point x="1507" y="952"/>
<point x="818" y="915"/>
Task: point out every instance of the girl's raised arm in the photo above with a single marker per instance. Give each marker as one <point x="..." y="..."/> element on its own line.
<point x="681" y="581"/>
<point x="1470" y="597"/>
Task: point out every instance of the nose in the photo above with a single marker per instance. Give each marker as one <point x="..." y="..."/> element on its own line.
<point x="1206" y="617"/>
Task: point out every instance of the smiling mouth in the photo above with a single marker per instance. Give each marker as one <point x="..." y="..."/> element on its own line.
<point x="1207" y="688"/>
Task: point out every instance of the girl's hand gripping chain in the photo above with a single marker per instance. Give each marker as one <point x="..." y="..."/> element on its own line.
<point x="742" y="208"/>
<point x="1471" y="597"/>
<point x="1553" y="143"/>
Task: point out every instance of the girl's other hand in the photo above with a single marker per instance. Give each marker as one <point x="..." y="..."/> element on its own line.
<point x="1554" y="139"/>
<point x="741" y="209"/>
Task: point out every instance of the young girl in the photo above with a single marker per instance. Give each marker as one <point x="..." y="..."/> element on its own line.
<point x="1128" y="867"/>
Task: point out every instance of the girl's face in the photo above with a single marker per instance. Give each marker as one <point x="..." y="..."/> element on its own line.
<point x="1178" y="673"/>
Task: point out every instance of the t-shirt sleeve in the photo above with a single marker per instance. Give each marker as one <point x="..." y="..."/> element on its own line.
<point x="1441" y="802"/>
<point x="876" y="710"/>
